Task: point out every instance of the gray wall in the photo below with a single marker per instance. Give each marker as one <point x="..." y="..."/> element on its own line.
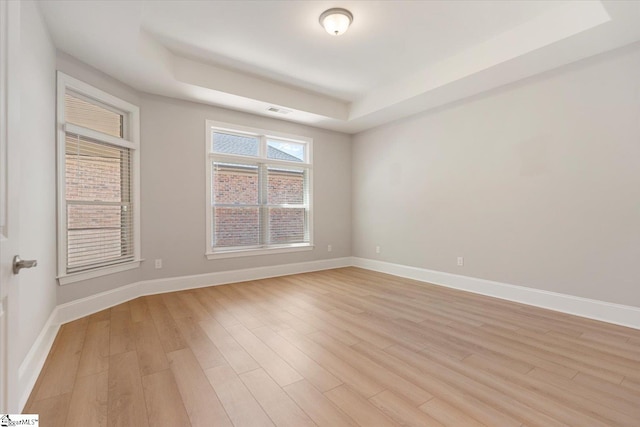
<point x="173" y="188"/>
<point x="537" y="184"/>
<point x="37" y="174"/>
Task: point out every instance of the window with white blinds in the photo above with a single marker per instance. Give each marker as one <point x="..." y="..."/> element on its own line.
<point x="97" y="182"/>
<point x="258" y="191"/>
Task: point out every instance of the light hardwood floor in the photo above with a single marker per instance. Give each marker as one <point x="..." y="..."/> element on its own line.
<point x="333" y="348"/>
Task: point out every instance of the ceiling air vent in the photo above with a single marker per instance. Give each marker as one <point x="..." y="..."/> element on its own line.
<point x="278" y="110"/>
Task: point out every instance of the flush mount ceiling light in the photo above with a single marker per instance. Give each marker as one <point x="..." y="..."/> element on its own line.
<point x="336" y="21"/>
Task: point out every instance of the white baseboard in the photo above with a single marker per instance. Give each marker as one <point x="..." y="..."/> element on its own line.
<point x="34" y="361"/>
<point x="593" y="309"/>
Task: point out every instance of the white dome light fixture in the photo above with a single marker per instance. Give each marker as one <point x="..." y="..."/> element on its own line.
<point x="336" y="21"/>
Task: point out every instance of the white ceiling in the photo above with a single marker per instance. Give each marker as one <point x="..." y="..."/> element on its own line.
<point x="398" y="57"/>
<point x="284" y="41"/>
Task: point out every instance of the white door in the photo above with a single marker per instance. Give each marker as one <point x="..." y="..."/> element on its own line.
<point x="9" y="197"/>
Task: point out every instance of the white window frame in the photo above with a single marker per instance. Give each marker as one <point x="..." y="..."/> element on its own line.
<point x="131" y="141"/>
<point x="212" y="126"/>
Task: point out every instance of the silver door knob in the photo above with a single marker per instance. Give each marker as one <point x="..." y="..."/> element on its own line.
<point x="19" y="264"/>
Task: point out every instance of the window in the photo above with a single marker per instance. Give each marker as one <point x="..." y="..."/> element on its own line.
<point x="98" y="181"/>
<point x="258" y="191"/>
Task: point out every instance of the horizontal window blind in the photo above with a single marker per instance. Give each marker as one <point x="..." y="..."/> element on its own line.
<point x="90" y="115"/>
<point x="287" y="205"/>
<point x="257" y="204"/>
<point x="99" y="205"/>
<point x="236" y="204"/>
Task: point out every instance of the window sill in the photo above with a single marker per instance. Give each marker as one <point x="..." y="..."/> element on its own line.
<point x="261" y="251"/>
<point x="98" y="272"/>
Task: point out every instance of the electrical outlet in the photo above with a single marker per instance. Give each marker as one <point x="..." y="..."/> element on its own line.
<point x="158" y="263"/>
<point x="460" y="261"/>
<point x="377" y="249"/>
<point x="329" y="248"/>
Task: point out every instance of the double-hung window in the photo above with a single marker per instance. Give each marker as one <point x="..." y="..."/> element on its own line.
<point x="98" y="158"/>
<point x="258" y="191"/>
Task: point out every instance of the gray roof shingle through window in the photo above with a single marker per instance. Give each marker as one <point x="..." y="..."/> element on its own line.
<point x="246" y="146"/>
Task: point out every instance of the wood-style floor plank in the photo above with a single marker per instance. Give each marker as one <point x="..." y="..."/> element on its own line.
<point x="607" y="388"/>
<point x="88" y="406"/>
<point x="513" y="398"/>
<point x="198" y="397"/>
<point x="194" y="307"/>
<point x="236" y="308"/>
<point x="121" y="339"/>
<point x="52" y="411"/>
<point x="464" y="398"/>
<point x="401" y="411"/>
<point x="318" y="407"/>
<point x="602" y="403"/>
<point x="139" y="310"/>
<point x="168" y="331"/>
<point x="232" y="351"/>
<point x="164" y="403"/>
<point x="447" y="414"/>
<point x="126" y="399"/>
<point x="207" y="298"/>
<point x="337" y="347"/>
<point x="241" y="406"/>
<point x="303" y="364"/>
<point x="358" y="408"/>
<point x="151" y="355"/>
<point x="64" y="358"/>
<point x="277" y="404"/>
<point x="632" y="384"/>
<point x="359" y="381"/>
<point x="100" y="316"/>
<point x="95" y="351"/>
<point x="202" y="347"/>
<point x="387" y="379"/>
<point x="273" y="364"/>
